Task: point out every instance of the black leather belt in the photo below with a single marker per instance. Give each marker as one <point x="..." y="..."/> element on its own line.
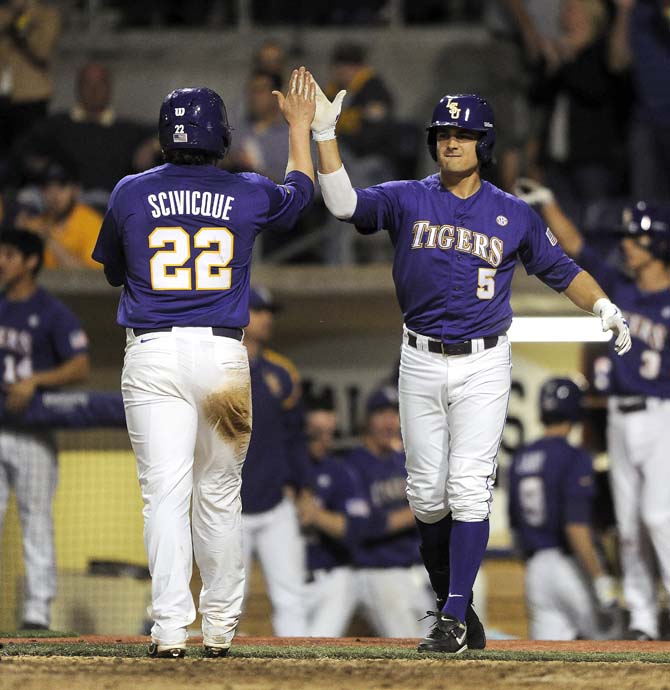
<point x="464" y="348"/>
<point x="631" y="405"/>
<point x="236" y="333"/>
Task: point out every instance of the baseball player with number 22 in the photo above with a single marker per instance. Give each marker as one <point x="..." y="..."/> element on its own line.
<point x="179" y="238"/>
<point x="457" y="239"/>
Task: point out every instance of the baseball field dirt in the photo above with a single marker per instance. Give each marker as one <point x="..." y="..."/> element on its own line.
<point x="95" y="663"/>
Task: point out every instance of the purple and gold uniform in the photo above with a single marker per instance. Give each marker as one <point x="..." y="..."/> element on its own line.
<point x="551" y="486"/>
<point x="177" y="230"/>
<point x="454" y="258"/>
<point x="36" y="334"/>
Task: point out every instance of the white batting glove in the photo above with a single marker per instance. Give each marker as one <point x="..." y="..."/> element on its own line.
<point x="604" y="587"/>
<point x="327" y="113"/>
<point x="532" y="192"/>
<point x="612" y="320"/>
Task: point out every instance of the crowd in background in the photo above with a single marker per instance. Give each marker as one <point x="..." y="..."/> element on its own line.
<point x="580" y="88"/>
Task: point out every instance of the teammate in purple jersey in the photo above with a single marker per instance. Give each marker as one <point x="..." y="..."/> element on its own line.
<point x="457" y="239"/>
<point x="390" y="581"/>
<point x="179" y="239"/>
<point x="42" y="347"/>
<point x="638" y="420"/>
<point x="551" y="492"/>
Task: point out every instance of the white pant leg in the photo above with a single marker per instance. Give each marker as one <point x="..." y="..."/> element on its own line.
<point x="223" y="395"/>
<point x="35" y="470"/>
<point x="392" y="599"/>
<point x="162" y="420"/>
<point x="423" y="419"/>
<point x="479" y="387"/>
<point x="281" y="551"/>
<point x="331" y="602"/>
<point x="652" y="448"/>
<point x="560" y="606"/>
<point x="639" y="587"/>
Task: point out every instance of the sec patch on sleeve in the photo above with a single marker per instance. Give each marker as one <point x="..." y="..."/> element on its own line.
<point x="551" y="237"/>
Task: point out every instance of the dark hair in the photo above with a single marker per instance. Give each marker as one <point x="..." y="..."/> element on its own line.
<point x="348" y="53"/>
<point x="275" y="79"/>
<point x="190" y="157"/>
<point x="27" y="242"/>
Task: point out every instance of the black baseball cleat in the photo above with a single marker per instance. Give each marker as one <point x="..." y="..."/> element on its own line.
<point x="476" y="633"/>
<point x="161" y="651"/>
<point x="639" y="635"/>
<point x="216" y="652"/>
<point x="449" y="635"/>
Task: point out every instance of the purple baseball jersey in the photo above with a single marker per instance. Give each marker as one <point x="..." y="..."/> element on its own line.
<point x="645" y="370"/>
<point x="336" y="489"/>
<point x="37" y="334"/>
<point x="382" y="481"/>
<point x="179" y="240"/>
<point x="550" y="485"/>
<point x="454" y="258"/>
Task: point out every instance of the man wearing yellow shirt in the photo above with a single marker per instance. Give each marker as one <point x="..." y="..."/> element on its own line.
<point x="69" y="227"/>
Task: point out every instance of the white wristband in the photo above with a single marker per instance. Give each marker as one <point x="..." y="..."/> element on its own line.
<point x="324" y="135"/>
<point x="600" y="305"/>
<point x="338" y="194"/>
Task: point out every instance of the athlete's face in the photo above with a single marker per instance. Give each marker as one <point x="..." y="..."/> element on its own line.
<point x="260" y="326"/>
<point x="321" y="427"/>
<point x="14" y="266"/>
<point x="637" y="257"/>
<point x="457" y="150"/>
<point x="384" y="428"/>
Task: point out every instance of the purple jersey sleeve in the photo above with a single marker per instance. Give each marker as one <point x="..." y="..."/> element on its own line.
<point x="579" y="489"/>
<point x="66" y="334"/>
<point x="287" y="201"/>
<point x="377" y="208"/>
<point x="542" y="255"/>
<point x="606" y="275"/>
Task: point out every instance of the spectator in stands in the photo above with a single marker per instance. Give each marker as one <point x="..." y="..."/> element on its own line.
<point x="260" y="142"/>
<point x="68" y="227"/>
<point x="28" y="33"/>
<point x="42" y="347"/>
<point x="588" y="99"/>
<point x="271" y="59"/>
<point x="102" y="146"/>
<point x="643" y="41"/>
<point x="387" y="554"/>
<point x="276" y="471"/>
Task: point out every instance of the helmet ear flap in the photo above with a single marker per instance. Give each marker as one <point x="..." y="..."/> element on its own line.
<point x="431" y="142"/>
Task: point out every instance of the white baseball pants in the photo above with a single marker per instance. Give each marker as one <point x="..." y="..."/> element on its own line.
<point x="187" y="396"/>
<point x="558" y="597"/>
<point x="28" y="462"/>
<point x="452" y="414"/>
<point x="275" y="537"/>
<point x="638" y="445"/>
<point x="331" y="601"/>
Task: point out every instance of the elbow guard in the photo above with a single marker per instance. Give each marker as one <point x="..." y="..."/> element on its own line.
<point x="338" y="194"/>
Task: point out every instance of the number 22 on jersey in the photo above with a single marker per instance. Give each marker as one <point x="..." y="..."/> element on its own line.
<point x="210" y="269"/>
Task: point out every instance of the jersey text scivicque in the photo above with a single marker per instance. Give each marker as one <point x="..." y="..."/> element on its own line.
<point x="181" y="231"/>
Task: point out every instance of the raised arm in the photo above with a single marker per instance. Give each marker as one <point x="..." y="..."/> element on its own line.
<point x="298" y="108"/>
<point x="543" y="200"/>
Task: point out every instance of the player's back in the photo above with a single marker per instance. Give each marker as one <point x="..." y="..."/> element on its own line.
<point x="540" y="485"/>
<point x="185" y="235"/>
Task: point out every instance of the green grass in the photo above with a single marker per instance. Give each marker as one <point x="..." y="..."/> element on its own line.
<point x="78" y="649"/>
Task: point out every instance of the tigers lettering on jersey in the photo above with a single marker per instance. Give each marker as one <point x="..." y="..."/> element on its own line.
<point x="427" y="236"/>
<point x="387" y="491"/>
<point x="651" y="333"/>
<point x="17" y="341"/>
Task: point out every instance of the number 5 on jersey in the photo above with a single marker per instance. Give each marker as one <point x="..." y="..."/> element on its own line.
<point x="211" y="272"/>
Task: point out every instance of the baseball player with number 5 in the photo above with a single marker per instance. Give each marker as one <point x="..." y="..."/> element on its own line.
<point x="179" y="239"/>
<point x="457" y="239"/>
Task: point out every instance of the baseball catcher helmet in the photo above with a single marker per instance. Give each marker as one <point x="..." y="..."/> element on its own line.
<point x="194" y="118"/>
<point x="649" y="224"/>
<point x="465" y="111"/>
<point x="560" y="401"/>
